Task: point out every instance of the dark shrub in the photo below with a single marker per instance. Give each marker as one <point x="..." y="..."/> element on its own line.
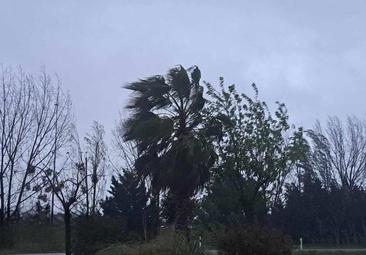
<point x="95" y="233"/>
<point x="32" y="237"/>
<point x="254" y="240"/>
<point x="167" y="243"/>
<point x="6" y="238"/>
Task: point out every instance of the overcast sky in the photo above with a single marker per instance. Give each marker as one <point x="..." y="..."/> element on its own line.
<point x="310" y="55"/>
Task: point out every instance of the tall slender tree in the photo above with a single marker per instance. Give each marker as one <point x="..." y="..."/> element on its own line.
<point x="96" y="151"/>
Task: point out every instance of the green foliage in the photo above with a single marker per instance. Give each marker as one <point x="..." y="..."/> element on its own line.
<point x="222" y="205"/>
<point x="184" y="247"/>
<point x="168" y="243"/>
<point x="254" y="240"/>
<point x="127" y="202"/>
<point x="326" y="201"/>
<point x="32" y="237"/>
<point x="168" y="209"/>
<point x="254" y="154"/>
<point x="323" y="216"/>
<point x="6" y="237"/>
<point x="96" y="233"/>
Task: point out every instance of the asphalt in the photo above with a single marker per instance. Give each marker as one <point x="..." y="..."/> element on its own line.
<point x="42" y="254"/>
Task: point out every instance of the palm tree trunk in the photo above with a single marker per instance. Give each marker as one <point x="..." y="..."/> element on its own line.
<point x="182" y="213"/>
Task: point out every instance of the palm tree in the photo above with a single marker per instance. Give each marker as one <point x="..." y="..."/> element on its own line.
<point x="166" y="125"/>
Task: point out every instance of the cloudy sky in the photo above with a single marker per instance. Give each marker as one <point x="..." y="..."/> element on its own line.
<point x="309" y="54"/>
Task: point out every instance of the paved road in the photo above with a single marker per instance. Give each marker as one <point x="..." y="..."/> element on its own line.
<point x="330" y="251"/>
<point x="42" y="254"/>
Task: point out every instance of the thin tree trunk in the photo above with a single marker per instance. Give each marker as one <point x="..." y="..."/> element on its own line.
<point x="67" y="222"/>
<point x="2" y="197"/>
<point x="249" y="213"/>
<point x="95" y="181"/>
<point x="2" y="188"/>
<point x="22" y="187"/>
<point x="3" y="145"/>
<point x="86" y="188"/>
<point x="9" y="190"/>
<point x="54" y="163"/>
<point x="337" y="237"/>
<point x="158" y="213"/>
<point x="144" y="224"/>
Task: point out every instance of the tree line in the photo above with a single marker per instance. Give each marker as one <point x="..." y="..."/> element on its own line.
<point x="44" y="166"/>
<point x="188" y="154"/>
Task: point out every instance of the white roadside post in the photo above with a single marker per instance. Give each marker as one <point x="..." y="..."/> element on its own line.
<point x="300" y="243"/>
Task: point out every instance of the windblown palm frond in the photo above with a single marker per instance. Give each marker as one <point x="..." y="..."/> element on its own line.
<point x="165" y="123"/>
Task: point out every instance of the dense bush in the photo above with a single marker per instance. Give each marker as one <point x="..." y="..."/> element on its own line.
<point x="95" y="233"/>
<point x="32" y="237"/>
<point x="254" y="240"/>
<point x="323" y="216"/>
<point x="167" y="243"/>
<point x="6" y="238"/>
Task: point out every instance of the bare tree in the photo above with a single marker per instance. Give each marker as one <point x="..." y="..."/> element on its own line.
<point x="28" y="118"/>
<point x="67" y="187"/>
<point x="83" y="159"/>
<point x="126" y="152"/>
<point x="96" y="150"/>
<point x="339" y="152"/>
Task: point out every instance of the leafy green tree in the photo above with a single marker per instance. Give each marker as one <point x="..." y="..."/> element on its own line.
<point x="127" y="201"/>
<point x="166" y="124"/>
<point x="254" y="154"/>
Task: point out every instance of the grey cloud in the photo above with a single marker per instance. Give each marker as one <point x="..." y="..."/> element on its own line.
<point x="308" y="54"/>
